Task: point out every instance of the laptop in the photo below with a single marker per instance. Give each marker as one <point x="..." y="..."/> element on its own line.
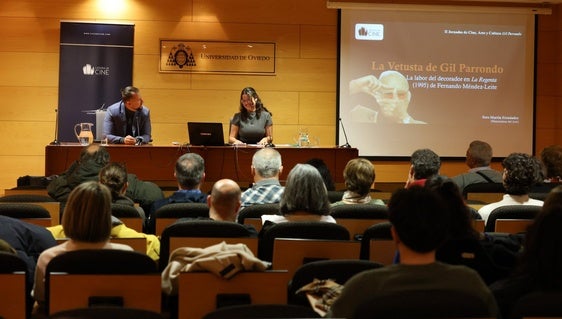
<point x="206" y="134"/>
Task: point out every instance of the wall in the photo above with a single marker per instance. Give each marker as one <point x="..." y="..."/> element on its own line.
<point x="302" y="94"/>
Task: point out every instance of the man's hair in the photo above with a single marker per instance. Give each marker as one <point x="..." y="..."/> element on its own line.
<point x="359" y="175"/>
<point x="551" y="157"/>
<point x="267" y="162"/>
<point x="128" y="92"/>
<point x="419" y="218"/>
<point x="190" y="168"/>
<point x="95" y="153"/>
<point x="426" y="163"/>
<point x="225" y="198"/>
<point x="87" y="214"/>
<point x="479" y="154"/>
<point x="114" y="176"/>
<point x="522" y="172"/>
<point x="305" y="191"/>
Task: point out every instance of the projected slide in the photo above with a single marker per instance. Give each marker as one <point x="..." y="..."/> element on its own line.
<point x="436" y="80"/>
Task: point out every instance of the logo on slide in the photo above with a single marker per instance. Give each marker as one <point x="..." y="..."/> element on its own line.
<point x="365" y="31"/>
<point x="89" y="69"/>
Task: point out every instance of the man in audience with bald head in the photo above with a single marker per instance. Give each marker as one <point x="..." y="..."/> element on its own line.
<point x="224" y="202"/>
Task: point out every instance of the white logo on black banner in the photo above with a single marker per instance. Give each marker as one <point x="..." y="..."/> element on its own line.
<point x="88" y="69"/>
<point x="181" y="56"/>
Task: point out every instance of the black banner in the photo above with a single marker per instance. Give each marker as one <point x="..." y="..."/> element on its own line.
<point x="96" y="61"/>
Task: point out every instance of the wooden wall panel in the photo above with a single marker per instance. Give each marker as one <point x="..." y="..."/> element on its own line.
<point x="301" y="94"/>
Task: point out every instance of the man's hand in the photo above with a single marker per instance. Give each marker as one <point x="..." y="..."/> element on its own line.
<point x="129" y="140"/>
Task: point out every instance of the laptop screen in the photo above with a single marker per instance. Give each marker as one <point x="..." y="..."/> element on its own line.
<point x="207" y="134"/>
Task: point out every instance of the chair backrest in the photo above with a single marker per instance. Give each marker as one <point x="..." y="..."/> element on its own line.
<point x="478" y="191"/>
<point x="255" y="211"/>
<point x="78" y="279"/>
<point x="539" y="305"/>
<point x="198" y="228"/>
<point x="335" y="196"/>
<point x="512" y="226"/>
<point x="263" y="311"/>
<point x="202" y="292"/>
<point x="51" y="205"/>
<point x="423" y="304"/>
<point x="303" y="230"/>
<point x="31" y="213"/>
<point x="510" y="212"/>
<point x="291" y="253"/>
<point x="13" y="275"/>
<point x="106" y="312"/>
<point x="358" y="217"/>
<point x="169" y="213"/>
<point x="128" y="215"/>
<point x="377" y="236"/>
<point x="339" y="270"/>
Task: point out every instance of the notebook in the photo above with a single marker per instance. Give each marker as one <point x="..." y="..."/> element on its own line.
<point x="207" y="134"/>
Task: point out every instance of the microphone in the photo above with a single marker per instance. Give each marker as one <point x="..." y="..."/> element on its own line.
<point x="346" y="145"/>
<point x="56" y="140"/>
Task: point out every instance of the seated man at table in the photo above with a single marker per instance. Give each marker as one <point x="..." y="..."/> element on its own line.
<point x="189" y="173"/>
<point x="128" y="121"/>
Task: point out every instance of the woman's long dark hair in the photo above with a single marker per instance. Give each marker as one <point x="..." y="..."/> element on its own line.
<point x="259" y="105"/>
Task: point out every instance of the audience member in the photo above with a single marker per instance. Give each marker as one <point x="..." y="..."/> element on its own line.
<point x="551" y="157"/>
<point x="419" y="226"/>
<point x="492" y="257"/>
<point x="324" y="172"/>
<point x="189" y="173"/>
<point x="92" y="159"/>
<point x="540" y="264"/>
<point x="224" y="201"/>
<point x="305" y="197"/>
<point x="27" y="241"/>
<point x="128" y="121"/>
<point x="359" y="176"/>
<point x="478" y="159"/>
<point x="521" y="173"/>
<point x="87" y="223"/>
<point x="266" y="167"/>
<point x="425" y="164"/>
<point x="114" y="176"/>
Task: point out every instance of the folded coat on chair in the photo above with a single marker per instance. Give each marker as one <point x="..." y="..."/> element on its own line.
<point x="224" y="260"/>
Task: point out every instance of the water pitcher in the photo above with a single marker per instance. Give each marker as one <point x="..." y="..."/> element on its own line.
<point x="84" y="133"/>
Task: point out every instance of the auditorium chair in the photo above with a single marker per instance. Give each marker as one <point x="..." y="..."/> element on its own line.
<point x="302" y="230"/>
<point x="291" y="253"/>
<point x="106" y="313"/>
<point x="14" y="302"/>
<point x="377" y="244"/>
<point x="510" y="212"/>
<point x="52" y="206"/>
<point x="358" y="217"/>
<point x="129" y="216"/>
<point x="202" y="292"/>
<point x="263" y="311"/>
<point x="539" y="305"/>
<point x="251" y="215"/>
<point x="201" y="234"/>
<point x="339" y="270"/>
<point x="30" y="213"/>
<point x="169" y="213"/>
<point x="102" y="277"/>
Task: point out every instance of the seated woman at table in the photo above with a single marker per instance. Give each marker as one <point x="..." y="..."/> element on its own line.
<point x="305" y="198"/>
<point x="253" y="124"/>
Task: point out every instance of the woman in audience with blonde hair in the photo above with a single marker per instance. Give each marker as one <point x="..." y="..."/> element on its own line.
<point x="359" y="176"/>
<point x="87" y="223"/>
<point x="305" y="197"/>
